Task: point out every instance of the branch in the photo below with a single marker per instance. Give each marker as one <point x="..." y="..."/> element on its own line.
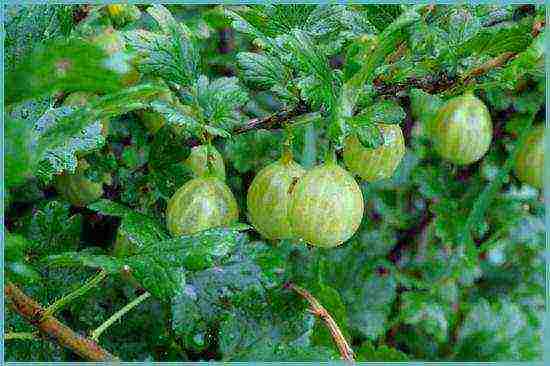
<point x="65" y="336"/>
<point x="275" y="120"/>
<point x="116" y="316"/>
<point x="317" y="309"/>
<point x="442" y="82"/>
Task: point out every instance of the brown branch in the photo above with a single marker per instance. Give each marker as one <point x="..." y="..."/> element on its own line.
<point x="49" y="325"/>
<point x="272" y="121"/>
<point x="435" y="84"/>
<point x="537" y="28"/>
<point x="317" y="309"/>
<point x="489" y="65"/>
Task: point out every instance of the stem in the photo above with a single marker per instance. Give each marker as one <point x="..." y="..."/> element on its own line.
<point x="65" y="300"/>
<point x="317" y="309"/>
<point x="119" y="314"/>
<point x="293" y="118"/>
<point x="21" y="335"/>
<point x="65" y="336"/>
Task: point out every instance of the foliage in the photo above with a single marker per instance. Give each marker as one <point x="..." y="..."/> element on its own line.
<point x="447" y="263"/>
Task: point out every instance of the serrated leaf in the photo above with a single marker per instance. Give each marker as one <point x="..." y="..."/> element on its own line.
<point x="382" y="16"/>
<point x="385" y="111"/>
<point x="254" y="149"/>
<point x="64" y="133"/>
<point x="369" y="353"/>
<point x="218" y="100"/>
<point x="172" y="55"/>
<point x="499" y="331"/>
<point x="262" y="70"/>
<point x="421" y="311"/>
<point x="497" y="41"/>
<point x="52" y="228"/>
<point x="318" y="83"/>
<point x="161" y="265"/>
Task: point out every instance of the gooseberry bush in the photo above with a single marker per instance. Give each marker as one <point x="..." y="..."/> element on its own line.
<point x="274" y="183"/>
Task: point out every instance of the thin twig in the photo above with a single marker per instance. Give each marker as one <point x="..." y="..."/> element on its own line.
<point x="65" y="300"/>
<point x="317" y="309"/>
<point x="21" y="335"/>
<point x="489" y="65"/>
<point x="442" y="82"/>
<point x="65" y="336"/>
<point x="119" y="314"/>
<point x="273" y="120"/>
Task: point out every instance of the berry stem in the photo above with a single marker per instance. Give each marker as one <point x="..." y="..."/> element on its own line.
<point x="65" y="300"/>
<point x="318" y="310"/>
<point x="119" y="314"/>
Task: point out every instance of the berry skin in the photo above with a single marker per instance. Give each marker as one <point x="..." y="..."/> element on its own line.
<point x="77" y="189"/>
<point x="153" y="120"/>
<point x="326" y="206"/>
<point x="530" y="159"/>
<point x="462" y="130"/>
<point x="201" y="204"/>
<point x="269" y="195"/>
<point x="374" y="164"/>
<point x="198" y="162"/>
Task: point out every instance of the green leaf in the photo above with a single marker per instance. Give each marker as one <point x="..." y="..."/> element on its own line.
<point x="366" y="131"/>
<point x="370" y="353"/>
<point x="172" y="55"/>
<point x="22" y="272"/>
<point x="17" y="267"/>
<point x="495" y="41"/>
<point x="252" y="150"/>
<point x="497" y="331"/>
<point x="420" y="310"/>
<point x="385" y="111"/>
<point x="136" y="230"/>
<point x="263" y="70"/>
<point x="72" y="65"/>
<point x="387" y="42"/>
<point x="216" y="101"/>
<point x="160" y="266"/>
<point x="15" y="246"/>
<point x="52" y="228"/>
<point x="318" y="82"/>
<point x="331" y="301"/>
<point x="20" y="153"/>
<point x="382" y="16"/>
<point x="65" y="132"/>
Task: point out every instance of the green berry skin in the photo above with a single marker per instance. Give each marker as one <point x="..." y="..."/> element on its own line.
<point x="153" y="120"/>
<point x="326" y="207"/>
<point x="201" y="204"/>
<point x="375" y="164"/>
<point x="268" y="198"/>
<point x="462" y="130"/>
<point x="530" y="159"/>
<point x="77" y="189"/>
<point x="198" y="162"/>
